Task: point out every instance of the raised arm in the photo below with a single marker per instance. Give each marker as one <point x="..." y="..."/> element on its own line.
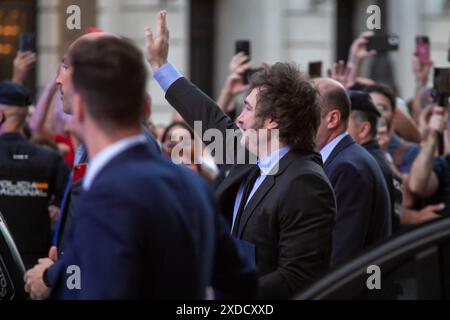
<point x="23" y="62"/>
<point x="423" y="181"/>
<point x="358" y="53"/>
<point x="196" y="108"/>
<point x="39" y="118"/>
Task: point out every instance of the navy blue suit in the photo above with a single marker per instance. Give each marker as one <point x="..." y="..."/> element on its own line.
<point x="70" y="202"/>
<point x="363" y="202"/>
<point x="146" y="229"/>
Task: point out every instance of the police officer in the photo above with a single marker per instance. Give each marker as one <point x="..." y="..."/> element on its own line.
<point x="31" y="177"/>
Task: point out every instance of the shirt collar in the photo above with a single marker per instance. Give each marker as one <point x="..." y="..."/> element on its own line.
<point x="328" y="149"/>
<point x="106" y="155"/>
<point x="268" y="163"/>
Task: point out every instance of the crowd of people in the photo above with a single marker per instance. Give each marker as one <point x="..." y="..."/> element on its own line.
<point x="342" y="164"/>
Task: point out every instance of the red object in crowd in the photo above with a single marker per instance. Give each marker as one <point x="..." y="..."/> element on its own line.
<point x="78" y="172"/>
<point x="94" y="30"/>
<point x="70" y="156"/>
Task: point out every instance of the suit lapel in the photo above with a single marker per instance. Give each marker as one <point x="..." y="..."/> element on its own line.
<point x="235" y="177"/>
<point x="227" y="191"/>
<point x="259" y="195"/>
<point x="264" y="189"/>
<point x="344" y="143"/>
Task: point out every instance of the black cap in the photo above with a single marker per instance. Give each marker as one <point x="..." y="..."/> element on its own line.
<point x="362" y="101"/>
<point x="13" y="94"/>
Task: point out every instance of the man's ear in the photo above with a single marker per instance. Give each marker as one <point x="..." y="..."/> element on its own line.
<point x="333" y="119"/>
<point x="365" y="130"/>
<point x="270" y="124"/>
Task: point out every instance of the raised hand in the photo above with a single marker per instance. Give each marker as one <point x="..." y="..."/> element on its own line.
<point x="157" y="45"/>
<point x="238" y="60"/>
<point x="235" y="82"/>
<point x="22" y="65"/>
<point x="358" y="50"/>
<point x="421" y="71"/>
<point x="438" y="120"/>
<point x="341" y="73"/>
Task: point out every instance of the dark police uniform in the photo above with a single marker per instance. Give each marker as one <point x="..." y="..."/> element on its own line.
<point x="31" y="177"/>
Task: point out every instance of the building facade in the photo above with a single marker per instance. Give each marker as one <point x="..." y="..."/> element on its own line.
<point x="203" y="33"/>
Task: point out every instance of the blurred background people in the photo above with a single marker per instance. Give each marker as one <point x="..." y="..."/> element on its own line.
<point x="32" y="177"/>
<point x="402" y="152"/>
<point x="363" y="128"/>
<point x="430" y="175"/>
<point x="188" y="151"/>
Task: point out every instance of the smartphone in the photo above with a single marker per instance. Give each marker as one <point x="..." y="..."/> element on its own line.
<point x="423" y="49"/>
<point x="441" y="86"/>
<point x="27" y="41"/>
<point x="384" y="43"/>
<point x="315" y="69"/>
<point x="243" y="46"/>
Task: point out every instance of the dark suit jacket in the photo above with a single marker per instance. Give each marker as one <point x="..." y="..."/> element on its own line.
<point x="69" y="205"/>
<point x="290" y="218"/>
<point x="70" y="202"/>
<point x="364" y="212"/>
<point x="145" y="229"/>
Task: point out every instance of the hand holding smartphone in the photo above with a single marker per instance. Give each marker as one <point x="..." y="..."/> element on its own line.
<point x="384" y="43"/>
<point x="441" y="86"/>
<point x="244" y="46"/>
<point x="441" y="94"/>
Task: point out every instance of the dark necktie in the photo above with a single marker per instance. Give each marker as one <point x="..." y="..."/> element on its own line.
<point x="249" y="183"/>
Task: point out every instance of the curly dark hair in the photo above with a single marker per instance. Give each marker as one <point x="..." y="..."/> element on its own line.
<point x="289" y="98"/>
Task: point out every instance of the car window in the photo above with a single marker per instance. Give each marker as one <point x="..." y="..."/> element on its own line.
<point x="417" y="277"/>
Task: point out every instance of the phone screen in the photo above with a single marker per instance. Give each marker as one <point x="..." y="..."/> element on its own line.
<point x="27" y="42"/>
<point x="441" y="86"/>
<point x="423" y="49"/>
<point x="315" y="69"/>
<point x="243" y="46"/>
<point x="384" y="43"/>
